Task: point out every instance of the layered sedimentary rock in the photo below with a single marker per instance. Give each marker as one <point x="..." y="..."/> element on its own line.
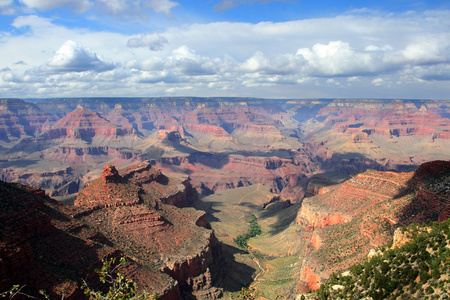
<point x="47" y="245"/>
<point x="57" y="181"/>
<point x="82" y="124"/>
<point x="19" y="119"/>
<point x="342" y="224"/>
<point x="350" y="136"/>
<point x="214" y="173"/>
<point x="135" y="209"/>
<point x="399" y="130"/>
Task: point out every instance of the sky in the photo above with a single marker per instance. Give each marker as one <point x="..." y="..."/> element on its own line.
<point x="396" y="49"/>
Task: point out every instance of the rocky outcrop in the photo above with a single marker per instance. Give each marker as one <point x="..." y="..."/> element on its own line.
<point x="388" y="135"/>
<point x="134" y="208"/>
<point x="404" y="132"/>
<point x="319" y="219"/>
<point x="215" y="131"/>
<point x="400" y="238"/>
<point x="212" y="173"/>
<point x="309" y="281"/>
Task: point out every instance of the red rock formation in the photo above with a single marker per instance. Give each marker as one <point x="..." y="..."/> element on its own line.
<point x="309" y="281"/>
<point x="215" y="173"/>
<point x="84" y="124"/>
<point x="130" y="207"/>
<point x="340" y="226"/>
<point x="110" y="174"/>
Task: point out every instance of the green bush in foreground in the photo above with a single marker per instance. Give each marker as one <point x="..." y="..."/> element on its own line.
<point x="419" y="269"/>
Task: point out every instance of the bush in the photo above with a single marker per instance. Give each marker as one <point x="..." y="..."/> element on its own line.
<point x="120" y="288"/>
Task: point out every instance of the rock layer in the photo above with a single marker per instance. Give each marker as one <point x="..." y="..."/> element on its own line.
<point x="341" y="225"/>
<point x="134" y="209"/>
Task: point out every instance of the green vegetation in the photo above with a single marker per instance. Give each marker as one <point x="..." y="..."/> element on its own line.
<point x="255" y="229"/>
<point x="418" y="269"/>
<point x="120" y="288"/>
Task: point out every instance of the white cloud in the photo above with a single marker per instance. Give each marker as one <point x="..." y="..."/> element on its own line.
<point x="378" y="81"/>
<point x="237" y="58"/>
<point x="438" y="72"/>
<point x="338" y="58"/>
<point x="4" y="3"/>
<point x="162" y="6"/>
<point x="72" y="57"/>
<point x="121" y="8"/>
<point x="282" y="64"/>
<point x="154" y="42"/>
<point x="114" y="6"/>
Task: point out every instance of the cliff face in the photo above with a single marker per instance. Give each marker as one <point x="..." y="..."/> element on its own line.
<point x="19" y="119"/>
<point x="133" y="208"/>
<point x="211" y="173"/>
<point x="342" y="224"/>
<point x="84" y="124"/>
<point x="343" y="136"/>
<point x="382" y="129"/>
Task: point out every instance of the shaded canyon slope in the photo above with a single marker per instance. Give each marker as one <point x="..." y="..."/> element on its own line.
<point x="137" y="213"/>
<point x="304" y="243"/>
<point x="221" y="143"/>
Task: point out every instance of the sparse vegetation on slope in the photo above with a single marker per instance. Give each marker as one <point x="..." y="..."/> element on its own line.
<point x="419" y="269"/>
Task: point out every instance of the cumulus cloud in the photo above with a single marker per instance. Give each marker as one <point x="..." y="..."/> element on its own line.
<point x="34" y="22"/>
<point x="154" y="42"/>
<point x="338" y="58"/>
<point x="439" y="72"/>
<point x="278" y="65"/>
<point x="72" y="57"/>
<point x="358" y="51"/>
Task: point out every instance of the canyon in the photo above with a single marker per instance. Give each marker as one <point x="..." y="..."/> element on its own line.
<point x="67" y="141"/>
<point x="171" y="182"/>
<point x="136" y="213"/>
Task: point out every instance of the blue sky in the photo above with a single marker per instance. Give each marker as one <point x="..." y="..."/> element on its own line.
<point x="276" y="49"/>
